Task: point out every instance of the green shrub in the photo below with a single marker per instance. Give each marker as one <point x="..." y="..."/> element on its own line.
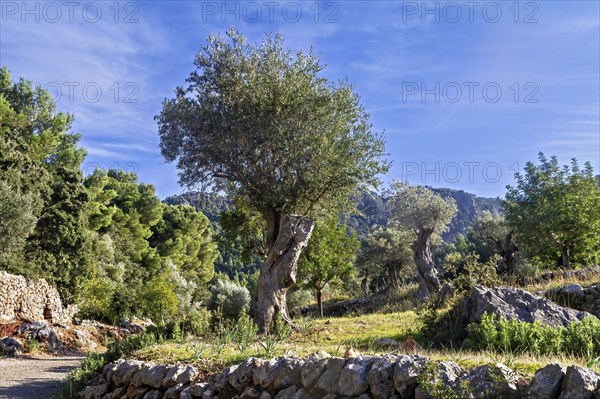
<point x="439" y="325"/>
<point x="513" y="336"/>
<point x="474" y="273"/>
<point x="298" y="298"/>
<point x="228" y="299"/>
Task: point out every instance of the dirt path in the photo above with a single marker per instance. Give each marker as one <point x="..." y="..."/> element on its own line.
<point x="34" y="377"/>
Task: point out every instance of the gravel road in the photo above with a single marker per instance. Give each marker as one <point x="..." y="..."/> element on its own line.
<point x="34" y="377"/>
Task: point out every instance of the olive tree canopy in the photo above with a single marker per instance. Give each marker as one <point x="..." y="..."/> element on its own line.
<point x="258" y="121"/>
<point x="420" y="210"/>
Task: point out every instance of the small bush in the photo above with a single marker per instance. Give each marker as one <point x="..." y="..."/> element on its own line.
<point x="513" y="336"/>
<point x="228" y="300"/>
<point x="440" y="327"/>
<point x="474" y="273"/>
<point x="297" y="299"/>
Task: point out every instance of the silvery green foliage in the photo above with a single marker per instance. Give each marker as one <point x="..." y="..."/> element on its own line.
<point x="229" y="299"/>
<point x="184" y="289"/>
<point x="17" y="218"/>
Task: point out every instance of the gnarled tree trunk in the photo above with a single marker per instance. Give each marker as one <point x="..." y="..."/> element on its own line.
<point x="288" y="236"/>
<point x="508" y="252"/>
<point x="429" y="284"/>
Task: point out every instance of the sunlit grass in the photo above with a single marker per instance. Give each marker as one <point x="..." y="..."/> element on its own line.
<point x="335" y="336"/>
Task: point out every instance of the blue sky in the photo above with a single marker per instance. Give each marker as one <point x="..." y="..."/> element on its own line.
<point x="467" y="92"/>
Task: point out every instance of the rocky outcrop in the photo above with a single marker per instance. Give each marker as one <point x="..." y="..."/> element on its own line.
<point x="575" y="296"/>
<point x="516" y="304"/>
<point x="507" y="303"/>
<point x="321" y="376"/>
<point x="28" y="300"/>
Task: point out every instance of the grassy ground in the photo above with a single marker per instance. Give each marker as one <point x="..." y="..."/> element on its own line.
<point x="336" y="336"/>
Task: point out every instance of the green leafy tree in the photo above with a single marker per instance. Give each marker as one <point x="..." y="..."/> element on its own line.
<point x="17" y="220"/>
<point x="556" y="211"/>
<point x="493" y="228"/>
<point x="47" y="132"/>
<point x="328" y="258"/>
<point x="184" y="235"/>
<point x="386" y="254"/>
<point x="260" y="123"/>
<point x="40" y="159"/>
<point x="158" y="298"/>
<point x="424" y="213"/>
<point x="123" y="213"/>
<point x="59" y="246"/>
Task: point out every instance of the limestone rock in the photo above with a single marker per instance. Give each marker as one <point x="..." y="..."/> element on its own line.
<point x="251" y="392"/>
<point x="265" y="395"/>
<point x="328" y="382"/>
<point x="579" y="383"/>
<point x="516" y="304"/>
<point x="406" y="373"/>
<point x="499" y="380"/>
<point x="287" y="393"/>
<point x="153" y="376"/>
<point x="179" y="374"/>
<point x="95" y="392"/>
<point x="153" y="395"/>
<point x="573" y="290"/>
<point x="381" y="377"/>
<point x="26" y="299"/>
<point x="185" y="393"/>
<point x="243" y="374"/>
<point x="546" y="382"/>
<point x="301" y="394"/>
<point x="314" y="367"/>
<point x="354" y="376"/>
<point x="10" y="346"/>
<point x="173" y="392"/>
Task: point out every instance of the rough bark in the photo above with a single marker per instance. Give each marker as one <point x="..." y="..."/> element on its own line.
<point x="429" y="284"/>
<point x="565" y="257"/>
<point x="278" y="272"/>
<point x="319" y="302"/>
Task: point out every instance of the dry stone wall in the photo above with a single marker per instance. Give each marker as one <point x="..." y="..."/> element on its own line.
<point x="577" y="297"/>
<point x="28" y="300"/>
<point x="320" y="376"/>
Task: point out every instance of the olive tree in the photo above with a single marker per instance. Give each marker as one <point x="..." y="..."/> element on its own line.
<point x="425" y="213"/>
<point x="258" y="122"/>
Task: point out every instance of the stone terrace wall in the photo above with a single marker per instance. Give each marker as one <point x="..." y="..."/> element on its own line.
<point x="577" y="297"/>
<point x="323" y="377"/>
<point x="25" y="299"/>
